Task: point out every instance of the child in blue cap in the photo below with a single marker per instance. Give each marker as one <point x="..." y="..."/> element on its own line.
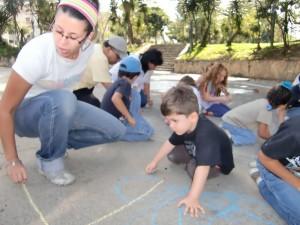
<point x="119" y="97"/>
<point x="245" y="122"/>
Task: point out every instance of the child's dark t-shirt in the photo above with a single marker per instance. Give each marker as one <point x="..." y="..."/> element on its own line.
<point x="208" y="144"/>
<point x="284" y="145"/>
<point x="123" y="87"/>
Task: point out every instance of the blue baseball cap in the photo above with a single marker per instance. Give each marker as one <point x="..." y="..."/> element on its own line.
<point x="286" y="84"/>
<point x="130" y="65"/>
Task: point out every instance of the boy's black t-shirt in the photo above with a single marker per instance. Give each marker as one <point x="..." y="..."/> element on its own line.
<point x="208" y="144"/>
<point x="284" y="145"/>
<point x="123" y="87"/>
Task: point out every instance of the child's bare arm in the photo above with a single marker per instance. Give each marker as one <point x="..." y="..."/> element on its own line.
<point x="210" y="98"/>
<point x="164" y="150"/>
<point x="224" y="90"/>
<point x="119" y="104"/>
<point x="279" y="170"/>
<point x="191" y="201"/>
<point x="281" y="112"/>
<point x="263" y="131"/>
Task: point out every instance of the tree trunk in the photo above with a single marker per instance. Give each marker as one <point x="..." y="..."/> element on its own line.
<point x="191" y="41"/>
<point x="230" y="40"/>
<point x="272" y="27"/>
<point x="205" y="37"/>
<point x="127" y="12"/>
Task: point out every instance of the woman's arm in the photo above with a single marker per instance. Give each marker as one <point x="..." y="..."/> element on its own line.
<point x="14" y="93"/>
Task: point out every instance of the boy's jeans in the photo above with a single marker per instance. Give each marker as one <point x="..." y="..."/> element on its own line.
<point x="280" y="195"/>
<point x="61" y="122"/>
<point x="142" y="130"/>
<point x="240" y="136"/>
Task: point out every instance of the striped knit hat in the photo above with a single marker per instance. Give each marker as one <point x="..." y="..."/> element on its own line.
<point x="85" y="7"/>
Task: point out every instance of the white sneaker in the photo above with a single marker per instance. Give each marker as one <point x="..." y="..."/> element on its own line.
<point x="252" y="164"/>
<point x="60" y="178"/>
<point x="255" y="175"/>
<point x="55" y="172"/>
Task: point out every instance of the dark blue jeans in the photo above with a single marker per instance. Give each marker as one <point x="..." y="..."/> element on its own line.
<point x="218" y="109"/>
<point x="144" y="99"/>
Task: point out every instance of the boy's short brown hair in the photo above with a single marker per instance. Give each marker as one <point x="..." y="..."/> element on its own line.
<point x="179" y="100"/>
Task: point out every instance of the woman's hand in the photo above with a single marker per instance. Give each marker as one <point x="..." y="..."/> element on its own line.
<point x="16" y="171"/>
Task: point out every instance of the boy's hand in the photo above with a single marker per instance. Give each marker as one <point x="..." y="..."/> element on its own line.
<point x="131" y="121"/>
<point x="151" y="167"/>
<point x="192" y="206"/>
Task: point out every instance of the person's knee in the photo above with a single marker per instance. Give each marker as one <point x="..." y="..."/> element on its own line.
<point x="118" y="131"/>
<point x="63" y="102"/>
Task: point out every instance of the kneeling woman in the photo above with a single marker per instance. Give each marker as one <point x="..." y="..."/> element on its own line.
<point x="52" y="63"/>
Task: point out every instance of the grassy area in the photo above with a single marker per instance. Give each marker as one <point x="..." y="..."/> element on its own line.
<point x="7" y="51"/>
<point x="242" y="51"/>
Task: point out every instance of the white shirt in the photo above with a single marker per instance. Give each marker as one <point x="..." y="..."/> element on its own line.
<point x="197" y="93"/>
<point x="97" y="70"/>
<point x="40" y="65"/>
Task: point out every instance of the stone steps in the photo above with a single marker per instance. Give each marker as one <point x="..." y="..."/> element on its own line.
<point x="170" y="53"/>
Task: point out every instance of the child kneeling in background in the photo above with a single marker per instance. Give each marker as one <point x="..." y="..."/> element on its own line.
<point x="120" y="96"/>
<point x="207" y="144"/>
<point x="254" y="119"/>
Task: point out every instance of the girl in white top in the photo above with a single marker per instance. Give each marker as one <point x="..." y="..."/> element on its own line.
<point x="52" y="63"/>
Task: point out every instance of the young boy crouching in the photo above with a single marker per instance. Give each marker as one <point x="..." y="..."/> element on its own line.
<point x="204" y="141"/>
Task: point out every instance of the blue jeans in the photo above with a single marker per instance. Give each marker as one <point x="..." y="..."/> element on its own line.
<point x="240" y="136"/>
<point x="283" y="197"/>
<point x="218" y="109"/>
<point x="142" y="130"/>
<point x="61" y="122"/>
<point x="144" y="99"/>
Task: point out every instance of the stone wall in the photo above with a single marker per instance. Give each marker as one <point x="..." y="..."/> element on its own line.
<point x="262" y="69"/>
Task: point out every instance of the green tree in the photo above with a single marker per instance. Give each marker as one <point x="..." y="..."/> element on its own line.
<point x="267" y="9"/>
<point x="44" y="11"/>
<point x="156" y="20"/>
<point x="286" y="17"/>
<point x="235" y="18"/>
<point x="188" y="9"/>
<point x="208" y="8"/>
<point x="13" y="8"/>
<point x="4" y="19"/>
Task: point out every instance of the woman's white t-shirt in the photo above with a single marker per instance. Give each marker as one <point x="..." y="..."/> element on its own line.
<point x="40" y="65"/>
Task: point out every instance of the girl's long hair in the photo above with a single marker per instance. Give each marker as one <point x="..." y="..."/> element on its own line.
<point x="212" y="76"/>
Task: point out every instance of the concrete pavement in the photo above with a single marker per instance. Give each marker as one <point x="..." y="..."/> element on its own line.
<point x="112" y="188"/>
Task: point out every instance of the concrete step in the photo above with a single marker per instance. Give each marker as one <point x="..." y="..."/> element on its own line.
<point x="170" y="53"/>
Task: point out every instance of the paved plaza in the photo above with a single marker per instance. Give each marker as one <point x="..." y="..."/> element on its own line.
<point x="112" y="187"/>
